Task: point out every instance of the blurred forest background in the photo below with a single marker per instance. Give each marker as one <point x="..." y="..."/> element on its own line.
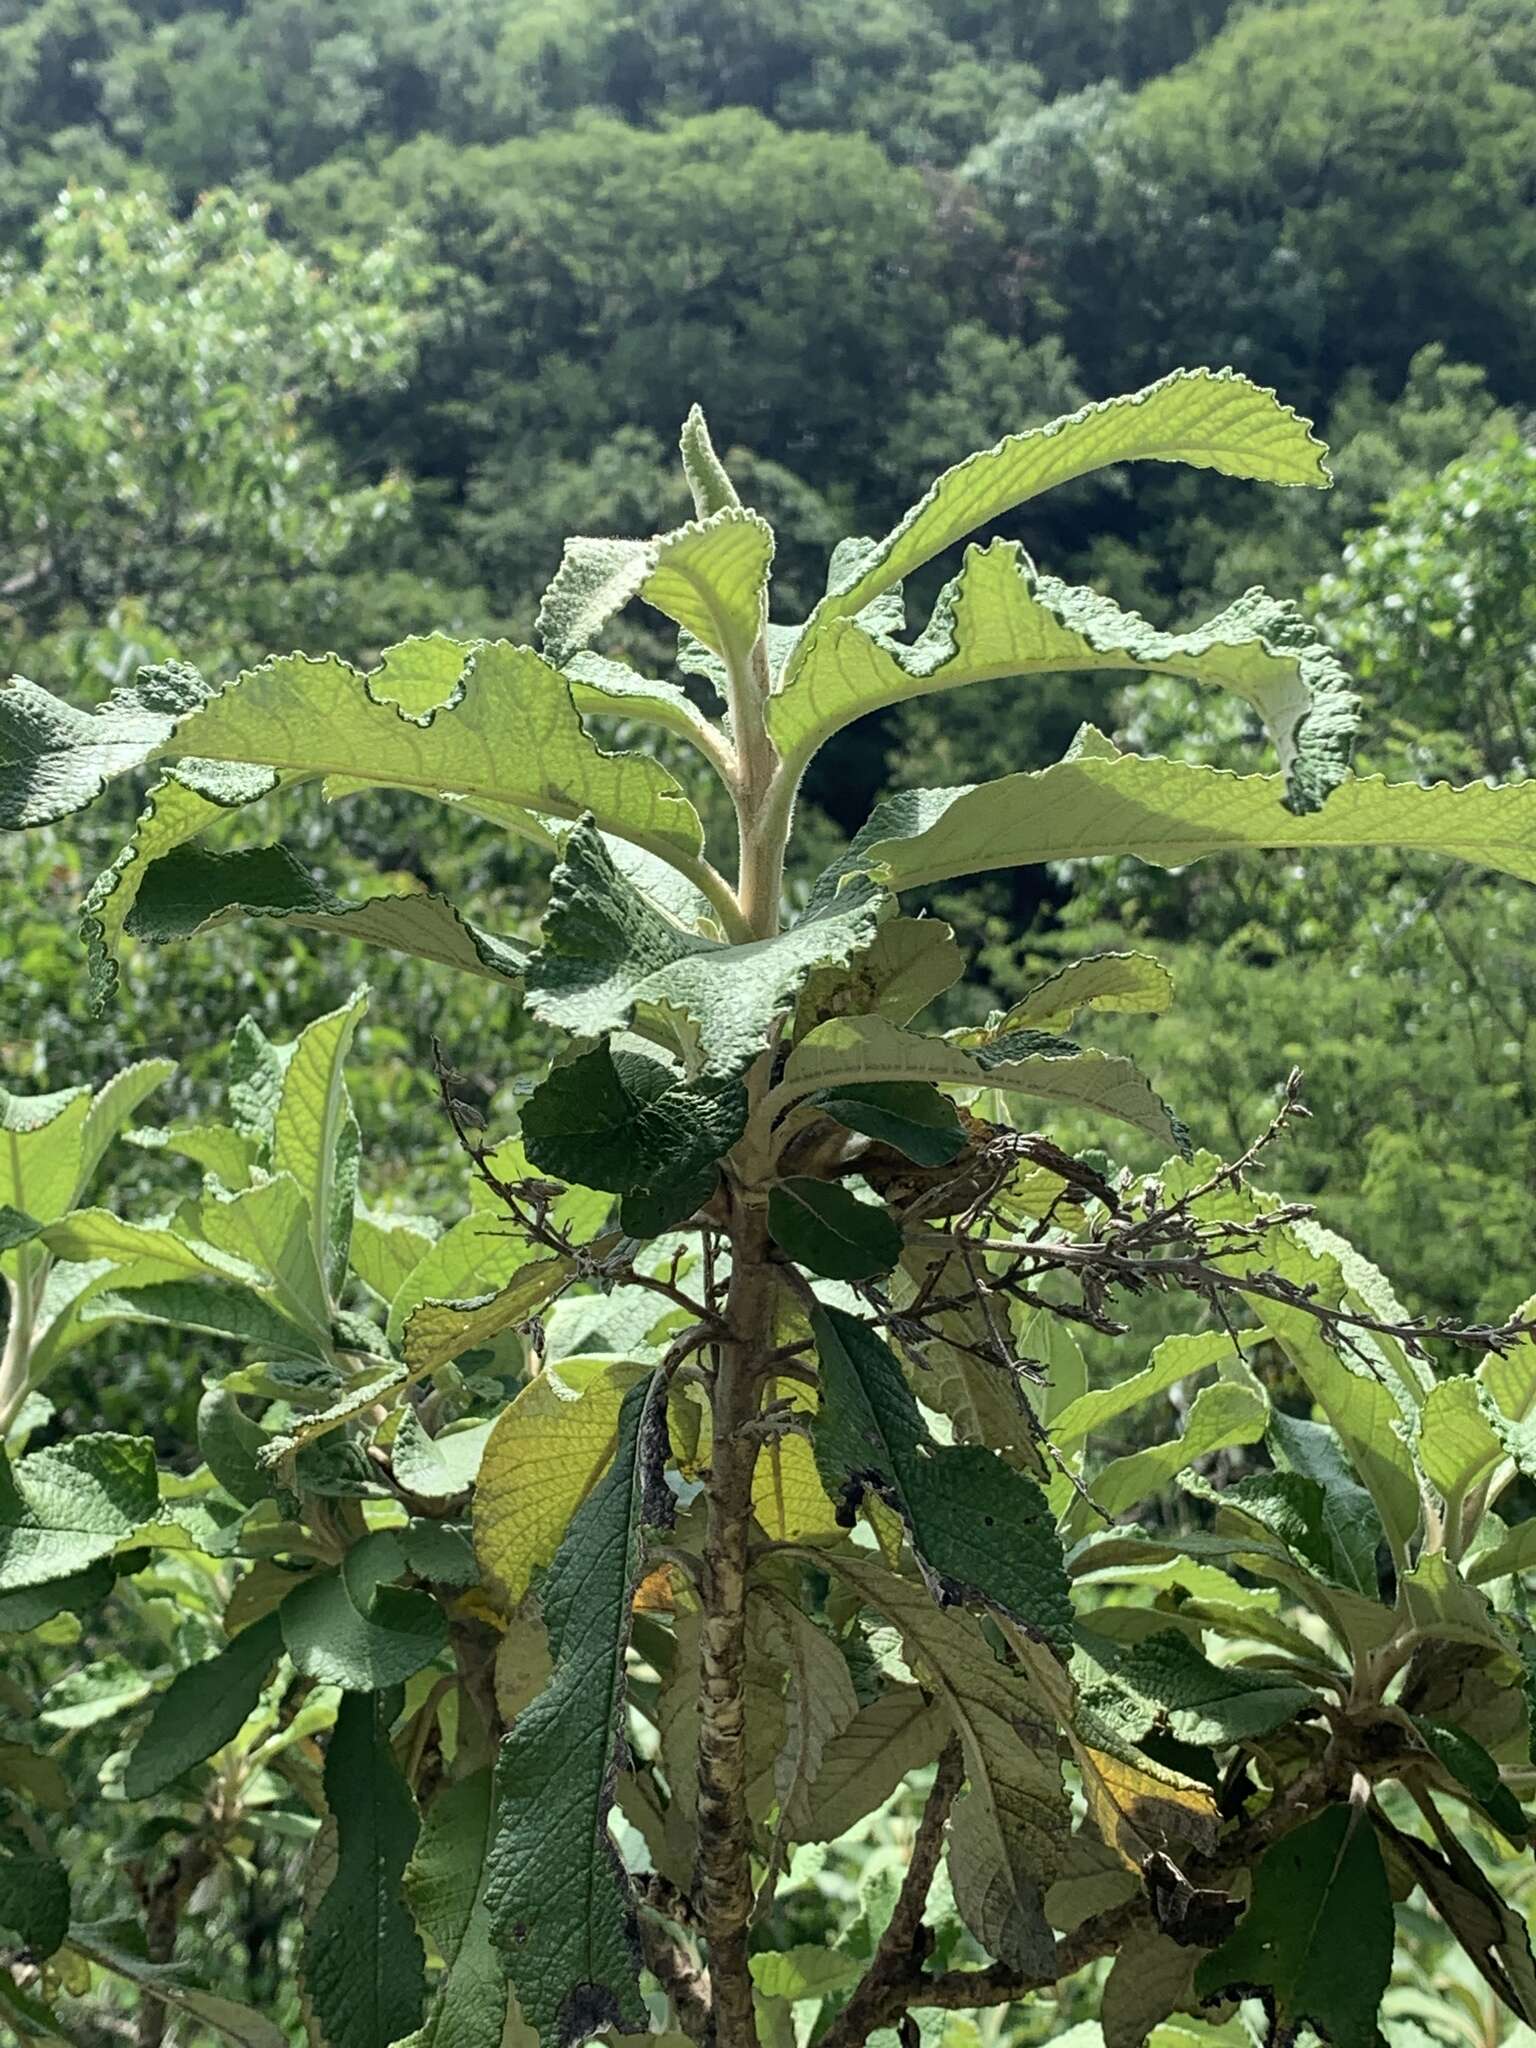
<point x="324" y="321"/>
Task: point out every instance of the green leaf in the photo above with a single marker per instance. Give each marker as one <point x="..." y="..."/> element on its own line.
<point x="34" y="1899"/>
<point x="1211" y="419"/>
<point x="824" y="1227"/>
<point x="350" y="1627"/>
<point x="908" y="962"/>
<point x="269" y="1227"/>
<point x="820" y="1705"/>
<point x="42" y="1151"/>
<point x="1474" y="1769"/>
<point x="385" y="1250"/>
<point x="1151" y="1977"/>
<point x="64" y="1508"/>
<point x="363" y="1966"/>
<point x="232" y="2022"/>
<point x="981" y="1530"/>
<point x="613" y="960"/>
<point x="1196" y="1701"/>
<point x="1175" y="1359"/>
<point x="229" y="1155"/>
<point x="212" y="1309"/>
<point x="1010" y="1826"/>
<point x="111" y="1107"/>
<point x="443" y="1883"/>
<point x="575" y="1970"/>
<point x="55" y="759"/>
<point x="1126" y="984"/>
<point x="709" y="577"/>
<point x="1230" y="1412"/>
<point x="914" y="1118"/>
<point x="712" y="488"/>
<point x="549" y="1448"/>
<point x="622" y="1122"/>
<point x="804" y="1972"/>
<point x="856" y="1051"/>
<point x="437" y="1468"/>
<point x="1169" y="813"/>
<point x="204" y="1707"/>
<point x="191" y="890"/>
<point x="861" y="1767"/>
<point x="438" y="1331"/>
<point x="999" y="620"/>
<point x="30" y="1606"/>
<point x="314" y="1134"/>
<point x="1350" y="1524"/>
<point x="93" y="1693"/>
<point x="1316" y="1943"/>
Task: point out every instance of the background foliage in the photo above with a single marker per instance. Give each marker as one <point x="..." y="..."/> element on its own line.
<point x="350" y="312"/>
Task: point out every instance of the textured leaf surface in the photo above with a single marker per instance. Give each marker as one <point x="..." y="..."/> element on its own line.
<point x="1229" y="1412"/>
<point x="624" y="1122"/>
<point x="63" y="1508"/>
<point x="1168" y="813"/>
<point x="1212" y="419"/>
<point x="998" y="620"/>
<point x="862" y="1766"/>
<point x="441" y="1330"/>
<point x="443" y="1885"/>
<point x="855" y="1051"/>
<point x="310" y="1133"/>
<point x="55" y="759"/>
<point x="909" y="1115"/>
<point x="363" y="1963"/>
<point x="549" y="1448"/>
<point x="1175" y="1359"/>
<point x="981" y="1530"/>
<point x="612" y="959"/>
<point x="42" y="1147"/>
<point x="34" y="1899"/>
<point x="1151" y="1977"/>
<point x="710" y="578"/>
<point x="1316" y="1943"/>
<point x="556" y="1896"/>
<point x="908" y="962"/>
<point x="204" y="1707"/>
<point x="1010" y="1825"/>
<point x="1127" y="984"/>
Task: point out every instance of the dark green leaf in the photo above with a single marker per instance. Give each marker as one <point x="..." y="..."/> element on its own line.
<point x="827" y="1229"/>
<point x="444" y="1884"/>
<point x="202" y="1709"/>
<point x="363" y="1962"/>
<point x="916" y="1120"/>
<point x="1350" y="1519"/>
<point x="575" y="1969"/>
<point x="1195" y="1700"/>
<point x="652" y="1212"/>
<point x="33" y="1605"/>
<point x="34" y="1899"/>
<point x="1472" y="1767"/>
<point x="622" y="1122"/>
<point x="1316" y="1943"/>
<point x="981" y="1530"/>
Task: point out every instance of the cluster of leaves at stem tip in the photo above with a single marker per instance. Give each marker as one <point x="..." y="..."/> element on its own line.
<point x="802" y="1491"/>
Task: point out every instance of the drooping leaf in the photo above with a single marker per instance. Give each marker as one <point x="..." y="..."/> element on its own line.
<point x="612" y="959"/>
<point x="862" y="1766"/>
<point x="352" y="1627"/>
<point x="1137" y="1804"/>
<point x="204" y="1707"/>
<point x="575" y="1970"/>
<point x="820" y="1706"/>
<point x="858" y="1051"/>
<point x="1011" y="1823"/>
<point x="999" y="620"/>
<point x="624" y="1122"/>
<point x="63" y="1508"/>
<point x="804" y="1972"/>
<point x="363" y="1966"/>
<point x="1211" y="419"/>
<point x="710" y="577"/>
<point x="824" y="1227"/>
<point x="549" y="1448"/>
<point x="1473" y="1768"/>
<point x="980" y="1529"/>
<point x="443" y="1883"/>
<point x="1168" y="813"/>
<point x="190" y="890"/>
<point x="1124" y="984"/>
<point x="1151" y="1977"/>
<point x="1316" y="1943"/>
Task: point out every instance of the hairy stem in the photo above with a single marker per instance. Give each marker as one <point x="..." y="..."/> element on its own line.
<point x="724" y="1829"/>
<point x="16" y="1358"/>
